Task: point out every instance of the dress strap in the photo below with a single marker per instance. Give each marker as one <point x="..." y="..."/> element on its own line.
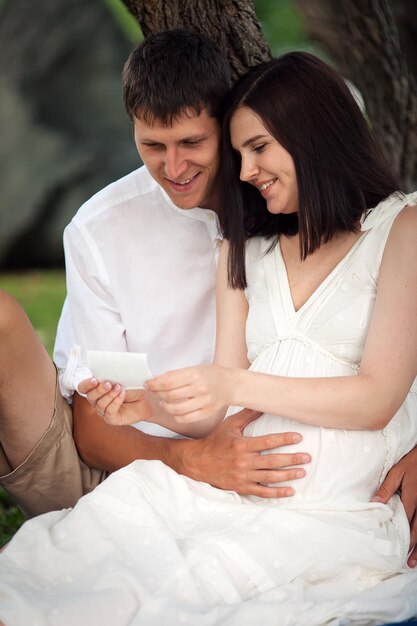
<point x="389" y="207"/>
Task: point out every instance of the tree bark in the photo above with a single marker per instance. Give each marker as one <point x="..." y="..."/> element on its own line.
<point x="379" y="57"/>
<point x="232" y="24"/>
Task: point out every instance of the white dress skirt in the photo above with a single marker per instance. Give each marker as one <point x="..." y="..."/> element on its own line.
<point x="151" y="547"/>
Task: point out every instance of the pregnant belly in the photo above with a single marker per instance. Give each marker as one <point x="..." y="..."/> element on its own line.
<point x="346" y="465"/>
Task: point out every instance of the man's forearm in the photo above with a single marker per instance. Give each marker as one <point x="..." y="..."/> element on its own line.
<point x="112" y="447"/>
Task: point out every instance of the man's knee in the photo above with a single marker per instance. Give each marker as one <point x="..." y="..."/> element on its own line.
<point x="11" y="314"/>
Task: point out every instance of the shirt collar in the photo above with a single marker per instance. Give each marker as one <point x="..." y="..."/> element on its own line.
<point x="203" y="215"/>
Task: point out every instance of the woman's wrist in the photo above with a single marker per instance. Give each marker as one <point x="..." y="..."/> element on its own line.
<point x="237" y="385"/>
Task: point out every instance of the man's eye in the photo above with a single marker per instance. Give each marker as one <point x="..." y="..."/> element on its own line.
<point x="153" y="145"/>
<point x="192" y="143"/>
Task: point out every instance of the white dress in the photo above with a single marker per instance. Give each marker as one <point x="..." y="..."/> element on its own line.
<point x="150" y="547"/>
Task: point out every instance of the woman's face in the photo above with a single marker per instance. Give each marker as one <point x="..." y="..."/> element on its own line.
<point x="264" y="162"/>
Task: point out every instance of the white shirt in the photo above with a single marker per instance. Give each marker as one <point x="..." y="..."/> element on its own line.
<point x="140" y="278"/>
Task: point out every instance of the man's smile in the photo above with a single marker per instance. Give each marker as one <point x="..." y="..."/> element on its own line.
<point x="183" y="185"/>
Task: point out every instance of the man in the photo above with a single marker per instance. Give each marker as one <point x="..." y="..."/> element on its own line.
<point x="141" y="277"/>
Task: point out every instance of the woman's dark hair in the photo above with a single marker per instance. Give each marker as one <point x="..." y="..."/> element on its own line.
<point x="341" y="173"/>
<point x="172" y="71"/>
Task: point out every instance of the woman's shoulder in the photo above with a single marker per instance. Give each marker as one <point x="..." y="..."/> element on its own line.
<point x="407" y="217"/>
<point x="404" y="226"/>
<point x="400" y="247"/>
<point x="387" y="226"/>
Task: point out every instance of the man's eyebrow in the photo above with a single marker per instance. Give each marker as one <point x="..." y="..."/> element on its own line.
<point x="252" y="139"/>
<point x="148" y="140"/>
<point x="195" y="137"/>
<point x="188" y="138"/>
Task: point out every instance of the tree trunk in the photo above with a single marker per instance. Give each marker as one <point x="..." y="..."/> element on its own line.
<point x="232" y="24"/>
<point x="379" y="57"/>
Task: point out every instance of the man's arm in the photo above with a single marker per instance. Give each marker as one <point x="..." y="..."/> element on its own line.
<point x="402" y="478"/>
<point x="225" y="458"/>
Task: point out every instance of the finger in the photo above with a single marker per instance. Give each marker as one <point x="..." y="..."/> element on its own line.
<point x="274" y="440"/>
<point x="170" y="380"/>
<point x="279" y="476"/>
<point x="389" y="486"/>
<point x="409" y="501"/>
<point x="98" y="392"/>
<point x="112" y="413"/>
<point x="195" y="416"/>
<point x="183" y="409"/>
<point x="279" y="461"/>
<point x="104" y="401"/>
<point x="87" y="385"/>
<point x="412" y="557"/>
<point x="263" y="491"/>
<point x="176" y="395"/>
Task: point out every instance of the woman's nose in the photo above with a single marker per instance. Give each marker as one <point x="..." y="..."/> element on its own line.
<point x="248" y="170"/>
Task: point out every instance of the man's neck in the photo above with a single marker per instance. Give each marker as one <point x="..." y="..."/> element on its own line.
<point x="213" y="200"/>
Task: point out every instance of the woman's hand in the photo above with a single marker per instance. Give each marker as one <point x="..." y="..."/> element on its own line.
<point x="402" y="479"/>
<point x="115" y="405"/>
<point x="195" y="393"/>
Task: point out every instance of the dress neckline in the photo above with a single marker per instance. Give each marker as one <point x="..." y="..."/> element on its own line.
<point x="323" y="284"/>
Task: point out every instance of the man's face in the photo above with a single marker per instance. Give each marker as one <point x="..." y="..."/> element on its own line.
<point x="182" y="158"/>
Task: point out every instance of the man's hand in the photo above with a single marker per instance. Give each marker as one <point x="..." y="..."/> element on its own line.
<point x="402" y="478"/>
<point x="228" y="460"/>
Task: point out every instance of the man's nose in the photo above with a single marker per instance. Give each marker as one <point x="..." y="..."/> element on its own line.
<point x="175" y="164"/>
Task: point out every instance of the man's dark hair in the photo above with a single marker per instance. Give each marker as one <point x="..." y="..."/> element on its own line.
<point x="172" y="71"/>
<point x="341" y="173"/>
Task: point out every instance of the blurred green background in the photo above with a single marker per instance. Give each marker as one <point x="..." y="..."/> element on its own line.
<point x="42" y="292"/>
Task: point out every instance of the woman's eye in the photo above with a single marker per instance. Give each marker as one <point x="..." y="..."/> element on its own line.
<point x="259" y="148"/>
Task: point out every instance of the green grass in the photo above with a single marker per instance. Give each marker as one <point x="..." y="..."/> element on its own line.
<point x="11" y="518"/>
<point x="41" y="294"/>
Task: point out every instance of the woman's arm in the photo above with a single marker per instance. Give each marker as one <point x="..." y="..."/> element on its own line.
<point x="366" y="401"/>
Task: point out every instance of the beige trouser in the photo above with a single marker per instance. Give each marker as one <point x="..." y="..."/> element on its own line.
<point x="53" y="476"/>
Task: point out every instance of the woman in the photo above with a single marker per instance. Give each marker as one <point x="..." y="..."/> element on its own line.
<point x="325" y="286"/>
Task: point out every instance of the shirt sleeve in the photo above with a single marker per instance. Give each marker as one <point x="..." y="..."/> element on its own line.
<point x="67" y="356"/>
<point x="90" y="319"/>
